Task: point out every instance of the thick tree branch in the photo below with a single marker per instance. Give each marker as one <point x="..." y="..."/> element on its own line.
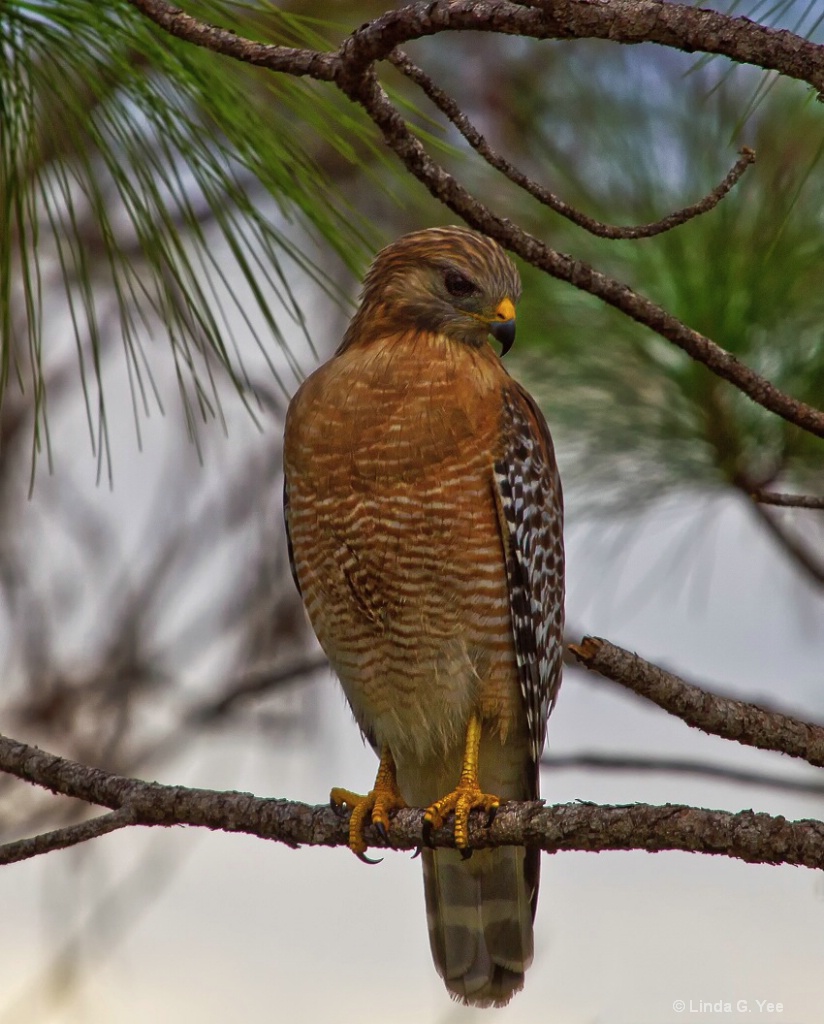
<point x="674" y="25"/>
<point x="721" y="716"/>
<point x="756" y="838"/>
<point x="678" y="26"/>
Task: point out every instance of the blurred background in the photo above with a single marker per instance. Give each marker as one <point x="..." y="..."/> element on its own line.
<point x="181" y="243"/>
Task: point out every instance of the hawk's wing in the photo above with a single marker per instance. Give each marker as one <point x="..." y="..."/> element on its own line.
<point x="530" y="509"/>
<point x="289" y="548"/>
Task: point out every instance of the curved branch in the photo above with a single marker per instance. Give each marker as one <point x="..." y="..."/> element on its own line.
<point x="476" y="140"/>
<point x="677" y="26"/>
<point x="720" y="716"/>
<point x="756" y="838"/>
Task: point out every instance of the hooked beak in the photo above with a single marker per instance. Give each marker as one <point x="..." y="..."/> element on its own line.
<point x="502" y="328"/>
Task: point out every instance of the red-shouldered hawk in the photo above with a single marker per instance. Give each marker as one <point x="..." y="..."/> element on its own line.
<point x="424" y="517"/>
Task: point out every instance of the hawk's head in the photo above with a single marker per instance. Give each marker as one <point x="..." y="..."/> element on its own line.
<point x="451" y="281"/>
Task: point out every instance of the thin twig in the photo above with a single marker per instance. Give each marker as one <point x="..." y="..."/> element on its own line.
<point x="721" y="716"/>
<point x="677" y="766"/>
<point x="61" y="838"/>
<point x="451" y="110"/>
<point x="254" y="684"/>
<point x="805" y="559"/>
<point x="788" y="500"/>
<point x="756" y="838"/>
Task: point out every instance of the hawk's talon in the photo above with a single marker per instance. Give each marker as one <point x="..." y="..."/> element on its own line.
<point x="340" y="798"/>
<point x="466" y="796"/>
<point x="493" y="814"/>
<point x="374" y="808"/>
<point x="418" y="852"/>
<point x="367" y="860"/>
<point x="466" y="854"/>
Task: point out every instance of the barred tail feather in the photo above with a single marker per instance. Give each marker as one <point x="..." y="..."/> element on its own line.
<point x="480" y="914"/>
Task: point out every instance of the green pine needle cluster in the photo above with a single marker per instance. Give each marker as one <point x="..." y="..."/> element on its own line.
<point x="643" y="416"/>
<point x="124" y="154"/>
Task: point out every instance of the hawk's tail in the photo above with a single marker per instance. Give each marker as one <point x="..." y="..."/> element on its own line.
<point x="480" y="914"/>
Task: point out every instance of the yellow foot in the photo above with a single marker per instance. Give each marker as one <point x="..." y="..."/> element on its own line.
<point x="374" y="807"/>
<point x="466" y="796"/>
<point x="463" y="799"/>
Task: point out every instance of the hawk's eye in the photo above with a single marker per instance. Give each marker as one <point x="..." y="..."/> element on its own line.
<point x="458" y="285"/>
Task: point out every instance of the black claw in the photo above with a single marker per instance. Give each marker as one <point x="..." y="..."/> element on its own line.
<point x="418" y="852"/>
<point x="426" y="833"/>
<point x="368" y="860"/>
<point x="380" y="828"/>
<point x="465" y="854"/>
<point x="492" y="815"/>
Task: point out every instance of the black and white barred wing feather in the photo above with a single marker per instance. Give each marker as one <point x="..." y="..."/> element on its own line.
<point x="530" y="508"/>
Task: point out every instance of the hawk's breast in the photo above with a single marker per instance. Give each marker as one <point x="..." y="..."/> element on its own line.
<point x="395" y="535"/>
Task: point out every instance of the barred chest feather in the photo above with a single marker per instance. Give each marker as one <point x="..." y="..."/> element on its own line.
<point x="397" y="546"/>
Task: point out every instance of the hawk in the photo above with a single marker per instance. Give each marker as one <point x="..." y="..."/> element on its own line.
<point x="424" y="518"/>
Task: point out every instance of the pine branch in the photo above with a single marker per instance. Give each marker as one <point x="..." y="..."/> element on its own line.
<point x="756" y="838"/>
<point x="351" y="69"/>
<point x="62" y="838"/>
<point x="458" y="118"/>
<point x="721" y="716"/>
<point x="678" y="26"/>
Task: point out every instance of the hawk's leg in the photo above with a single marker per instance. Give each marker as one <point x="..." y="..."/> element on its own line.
<point x="466" y="796"/>
<point x="375" y="806"/>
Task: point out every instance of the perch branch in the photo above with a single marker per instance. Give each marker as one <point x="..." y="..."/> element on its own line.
<point x="755" y="838"/>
